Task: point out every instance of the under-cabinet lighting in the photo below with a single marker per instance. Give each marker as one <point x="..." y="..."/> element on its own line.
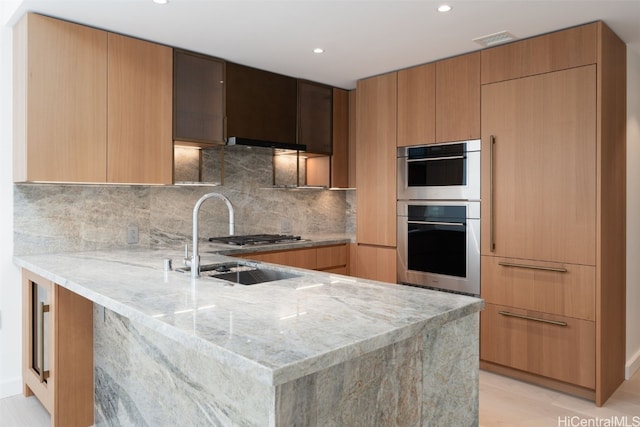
<point x="318" y="50"/>
<point x="161" y="1"/>
<point x="444" y="8"/>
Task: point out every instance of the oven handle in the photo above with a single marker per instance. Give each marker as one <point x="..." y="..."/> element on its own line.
<point x="461" y="224"/>
<point x="429" y="159"/>
<point x="492" y="237"/>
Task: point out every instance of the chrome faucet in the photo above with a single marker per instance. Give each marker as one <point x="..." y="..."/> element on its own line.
<point x="195" y="256"/>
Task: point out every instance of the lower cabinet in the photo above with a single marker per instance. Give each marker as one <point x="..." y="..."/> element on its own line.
<point x="57" y="350"/>
<point x="552" y="346"/>
<point x="331" y="259"/>
<point x="375" y="263"/>
<point x="540" y="319"/>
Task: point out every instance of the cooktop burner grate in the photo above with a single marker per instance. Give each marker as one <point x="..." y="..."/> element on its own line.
<point x="255" y="239"/>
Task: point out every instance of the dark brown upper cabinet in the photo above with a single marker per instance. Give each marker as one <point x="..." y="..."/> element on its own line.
<point x="260" y="105"/>
<point x="315" y="117"/>
<point x="198" y="107"/>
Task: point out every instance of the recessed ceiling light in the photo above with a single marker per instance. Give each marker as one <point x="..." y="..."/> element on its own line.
<point x="318" y="50"/>
<point x="161" y="1"/>
<point x="444" y="8"/>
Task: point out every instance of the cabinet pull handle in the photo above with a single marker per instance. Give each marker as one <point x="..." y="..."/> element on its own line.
<point x="533" y="267"/>
<point x="44" y="308"/>
<point x="459" y="224"/>
<point x="535" y="319"/>
<point x="492" y="237"/>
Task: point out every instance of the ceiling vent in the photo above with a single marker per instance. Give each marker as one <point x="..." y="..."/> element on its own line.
<point x="495" y="39"/>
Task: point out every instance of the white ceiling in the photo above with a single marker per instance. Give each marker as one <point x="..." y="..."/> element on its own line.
<point x="361" y="38"/>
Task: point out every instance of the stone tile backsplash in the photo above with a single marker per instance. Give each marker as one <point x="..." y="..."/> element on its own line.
<point x="54" y="218"/>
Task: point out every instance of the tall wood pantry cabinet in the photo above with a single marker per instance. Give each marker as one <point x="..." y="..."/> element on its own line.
<point x="89" y="105"/>
<point x="375" y="255"/>
<point x="553" y="210"/>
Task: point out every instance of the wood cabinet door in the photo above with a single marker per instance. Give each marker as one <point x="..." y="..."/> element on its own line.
<point x="315" y="117"/>
<point x="556" y="347"/>
<point x="60" y="101"/>
<point x="540" y="201"/>
<point x="260" y="104"/>
<point x="66" y="388"/>
<point x="458" y="98"/>
<point x="329" y="257"/>
<point x="340" y="158"/>
<point x="140" y="145"/>
<point x="417" y="105"/>
<point x="561" y="289"/>
<point x="376" y="263"/>
<point x="198" y="106"/>
<point x="560" y="50"/>
<point x="376" y="160"/>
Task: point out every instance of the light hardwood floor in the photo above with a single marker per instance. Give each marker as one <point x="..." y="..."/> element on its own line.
<point x="503" y="402"/>
<point x="507" y="402"/>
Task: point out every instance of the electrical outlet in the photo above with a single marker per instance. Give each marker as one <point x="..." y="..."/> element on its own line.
<point x="285" y="226"/>
<point x="132" y="234"/>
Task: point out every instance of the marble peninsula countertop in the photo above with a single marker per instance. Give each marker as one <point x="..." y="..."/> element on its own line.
<point x="278" y="331"/>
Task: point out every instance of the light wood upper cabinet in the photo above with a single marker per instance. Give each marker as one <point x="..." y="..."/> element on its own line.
<point x="556" y="51"/>
<point x="458" y="98"/>
<point x="90" y="106"/>
<point x="440" y="101"/>
<point x="544" y="167"/>
<point x="60" y="101"/>
<point x="376" y="160"/>
<point x="140" y="144"/>
<point x="417" y="105"/>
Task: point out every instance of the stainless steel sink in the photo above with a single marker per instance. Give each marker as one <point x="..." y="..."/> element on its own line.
<point x="241" y="273"/>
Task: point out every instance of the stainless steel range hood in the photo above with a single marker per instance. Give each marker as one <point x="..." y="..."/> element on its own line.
<point x="236" y="140"/>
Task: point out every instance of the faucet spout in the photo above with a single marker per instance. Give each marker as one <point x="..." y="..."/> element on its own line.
<point x="195" y="256"/>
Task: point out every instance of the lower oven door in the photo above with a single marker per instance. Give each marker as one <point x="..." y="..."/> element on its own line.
<point x="439" y="245"/>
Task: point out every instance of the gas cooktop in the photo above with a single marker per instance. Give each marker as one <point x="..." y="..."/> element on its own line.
<point x="255" y="239"/>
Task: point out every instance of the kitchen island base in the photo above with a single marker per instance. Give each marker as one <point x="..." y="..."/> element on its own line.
<point x="145" y="378"/>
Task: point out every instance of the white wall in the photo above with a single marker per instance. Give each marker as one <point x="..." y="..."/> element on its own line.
<point x="633" y="213"/>
<point x="10" y="305"/>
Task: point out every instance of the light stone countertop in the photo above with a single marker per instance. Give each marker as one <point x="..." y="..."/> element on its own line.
<point x="278" y="331"/>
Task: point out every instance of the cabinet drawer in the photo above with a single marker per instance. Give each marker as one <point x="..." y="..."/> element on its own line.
<point x="331" y="256"/>
<point x="565" y="353"/>
<point x="535" y="285"/>
<point x="301" y="258"/>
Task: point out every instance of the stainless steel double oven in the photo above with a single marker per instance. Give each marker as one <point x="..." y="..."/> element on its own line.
<point x="439" y="216"/>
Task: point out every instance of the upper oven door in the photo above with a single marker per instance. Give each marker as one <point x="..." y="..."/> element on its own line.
<point x="439" y="171"/>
